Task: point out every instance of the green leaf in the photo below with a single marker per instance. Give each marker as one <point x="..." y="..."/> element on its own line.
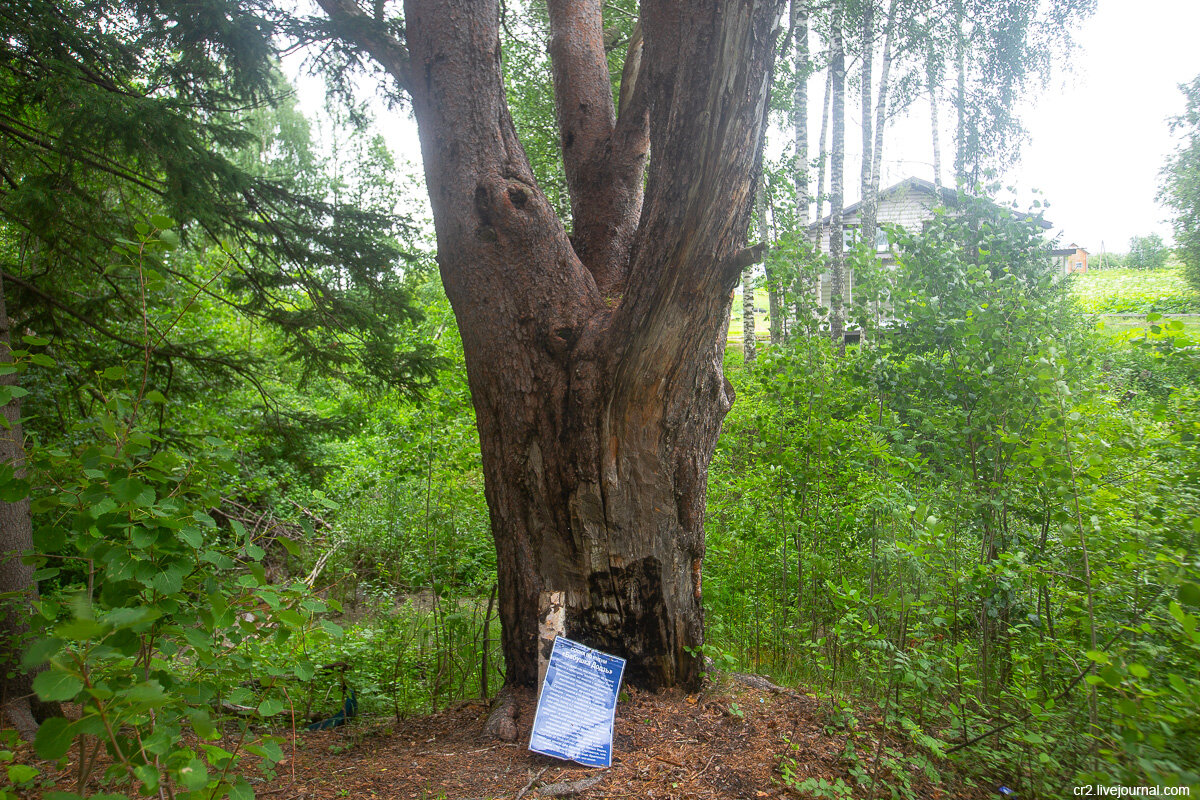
<point x="53" y="738"/>
<point x="169" y="581"/>
<point x="35" y="341"/>
<point x="1189" y="593"/>
<point x="148" y="775"/>
<point x="192" y="536"/>
<point x="79" y="629"/>
<point x="162" y="222"/>
<point x="53" y="685"/>
<point x="270" y="707"/>
<point x="193" y="775"/>
<point x="1098" y="656"/>
<point x="240" y="790"/>
<point x="40" y="652"/>
<point x="148" y="692"/>
<point x="42" y="360"/>
<point x="1138" y="671"/>
<point x="21" y="773"/>
<point x="131" y="617"/>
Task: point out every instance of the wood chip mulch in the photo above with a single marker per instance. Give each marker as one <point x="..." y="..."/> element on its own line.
<point x="727" y="742"/>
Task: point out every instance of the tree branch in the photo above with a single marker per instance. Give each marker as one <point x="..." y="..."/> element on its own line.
<point x="357" y="27"/>
<point x="603" y="158"/>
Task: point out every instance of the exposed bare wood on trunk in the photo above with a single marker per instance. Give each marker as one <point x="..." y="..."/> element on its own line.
<point x="837" y="270"/>
<point x="552" y="621"/>
<point x="597" y="423"/>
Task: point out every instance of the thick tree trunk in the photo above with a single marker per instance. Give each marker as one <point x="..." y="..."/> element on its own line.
<point x="595" y="366"/>
<point x="837" y="258"/>
<point x="16" y="537"/>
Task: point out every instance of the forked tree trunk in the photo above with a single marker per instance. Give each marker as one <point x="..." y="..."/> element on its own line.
<point x="594" y="360"/>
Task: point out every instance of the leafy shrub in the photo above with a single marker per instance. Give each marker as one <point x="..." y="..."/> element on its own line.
<point x="1146" y="252"/>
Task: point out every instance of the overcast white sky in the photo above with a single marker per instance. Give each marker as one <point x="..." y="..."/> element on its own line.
<point x="1099" y="141"/>
<point x="1098" y="135"/>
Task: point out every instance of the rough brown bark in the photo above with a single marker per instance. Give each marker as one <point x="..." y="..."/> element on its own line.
<point x="16" y="537"/>
<point x="594" y="361"/>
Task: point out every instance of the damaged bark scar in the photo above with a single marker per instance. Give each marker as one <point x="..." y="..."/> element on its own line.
<point x="517" y="196"/>
<point x="561" y="340"/>
<point x="696" y="579"/>
<point x="485" y="232"/>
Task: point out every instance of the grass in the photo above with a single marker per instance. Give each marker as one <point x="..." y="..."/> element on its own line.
<point x="761" y="321"/>
<point x="1134" y="291"/>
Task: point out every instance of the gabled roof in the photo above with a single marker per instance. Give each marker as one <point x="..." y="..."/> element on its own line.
<point x="910" y="184"/>
<point x="949" y="198"/>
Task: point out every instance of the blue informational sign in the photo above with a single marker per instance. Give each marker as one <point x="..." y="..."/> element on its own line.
<point x="575" y="711"/>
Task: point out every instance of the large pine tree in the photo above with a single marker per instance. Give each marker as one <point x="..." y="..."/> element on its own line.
<point x="593" y="345"/>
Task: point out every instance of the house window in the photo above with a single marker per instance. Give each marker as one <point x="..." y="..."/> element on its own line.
<point x="881" y="240"/>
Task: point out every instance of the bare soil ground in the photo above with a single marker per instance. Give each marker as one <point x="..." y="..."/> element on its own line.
<point x="727" y="742"/>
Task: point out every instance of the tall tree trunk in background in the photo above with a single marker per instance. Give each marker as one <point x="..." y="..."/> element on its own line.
<point x="931" y="88"/>
<point x="960" y="94"/>
<point x="749" y="344"/>
<point x="799" y="25"/>
<point x="870" y="201"/>
<point x="866" y="57"/>
<point x="16" y="537"/>
<point x="823" y="151"/>
<point x="594" y="361"/>
<point x="837" y="163"/>
<point x="822" y="228"/>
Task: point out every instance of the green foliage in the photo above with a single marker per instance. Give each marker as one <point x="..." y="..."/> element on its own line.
<point x="155" y="616"/>
<point x="1146" y="252"/>
<point x="951" y="518"/>
<point x="1126" y="291"/>
<point x="115" y="111"/>
<point x="1180" y="188"/>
